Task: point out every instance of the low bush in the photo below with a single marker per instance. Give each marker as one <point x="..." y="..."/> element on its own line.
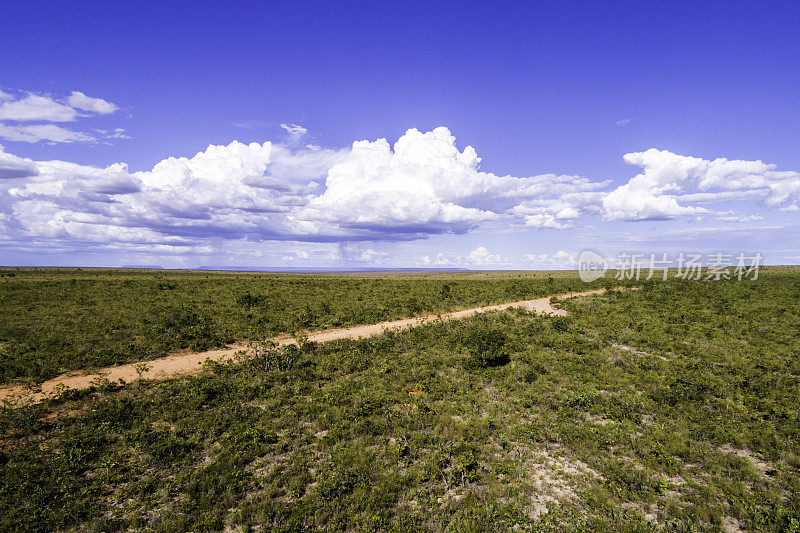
<point x="488" y="346"/>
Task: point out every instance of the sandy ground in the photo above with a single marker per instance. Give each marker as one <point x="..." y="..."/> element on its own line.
<point x="185" y="363"/>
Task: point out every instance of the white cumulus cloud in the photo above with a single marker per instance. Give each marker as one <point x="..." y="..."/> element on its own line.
<point x="482" y="256"/>
<point x="51" y="112"/>
<point x="561" y="259"/>
<point x="425" y="184"/>
<point x="78" y="100"/>
<point x="12" y="166"/>
<point x="43" y="132"/>
<point x="36" y="108"/>
<point x="421" y="185"/>
<point x="667" y="178"/>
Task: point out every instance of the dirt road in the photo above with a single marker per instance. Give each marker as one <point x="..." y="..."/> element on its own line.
<point x="178" y="364"/>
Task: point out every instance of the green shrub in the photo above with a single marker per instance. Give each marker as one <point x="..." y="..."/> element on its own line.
<point x="488" y="346"/>
<point x="533" y="371"/>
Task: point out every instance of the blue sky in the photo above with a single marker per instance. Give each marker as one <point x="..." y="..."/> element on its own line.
<point x="551" y="97"/>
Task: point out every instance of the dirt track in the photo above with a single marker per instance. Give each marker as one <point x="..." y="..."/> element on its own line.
<point x="177" y="364"/>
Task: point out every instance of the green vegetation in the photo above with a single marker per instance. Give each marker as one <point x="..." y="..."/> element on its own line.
<point x="675" y="407"/>
<point x="54" y="320"/>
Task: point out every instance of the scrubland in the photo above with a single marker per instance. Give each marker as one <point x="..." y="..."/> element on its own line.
<point x="675" y="407"/>
<point x="56" y="320"/>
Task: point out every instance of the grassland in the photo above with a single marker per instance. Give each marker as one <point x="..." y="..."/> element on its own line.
<point x="675" y="408"/>
<point x="55" y="320"/>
